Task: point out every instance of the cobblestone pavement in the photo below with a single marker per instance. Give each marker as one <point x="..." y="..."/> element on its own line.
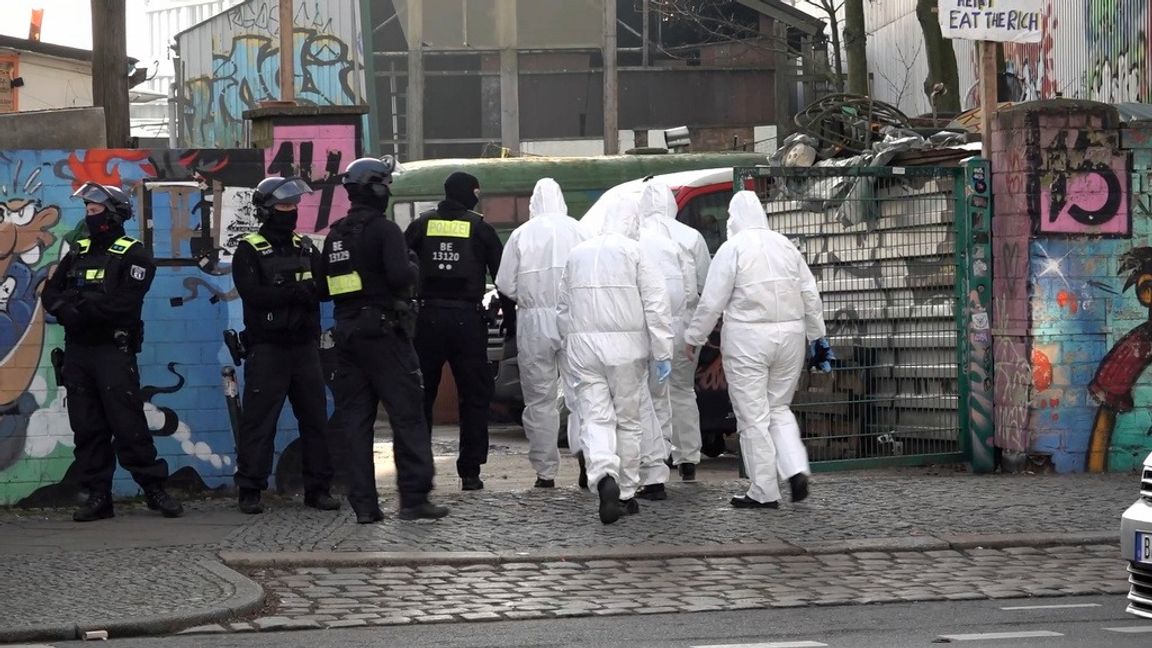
<point x="843" y="506"/>
<point x="357" y="596"/>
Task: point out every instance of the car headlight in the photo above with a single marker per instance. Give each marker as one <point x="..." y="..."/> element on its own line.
<point x="1146" y="485"/>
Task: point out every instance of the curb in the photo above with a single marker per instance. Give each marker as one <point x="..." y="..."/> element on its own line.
<point x="247" y="596"/>
<point x="955" y="542"/>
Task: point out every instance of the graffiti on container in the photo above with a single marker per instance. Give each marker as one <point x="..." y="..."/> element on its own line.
<point x="1083" y="185"/>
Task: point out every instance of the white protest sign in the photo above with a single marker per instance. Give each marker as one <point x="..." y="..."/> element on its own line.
<point x="1004" y="21"/>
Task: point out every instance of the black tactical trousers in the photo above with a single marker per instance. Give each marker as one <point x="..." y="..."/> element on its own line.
<point x="381" y="368"/>
<point x="271" y="373"/>
<point x="107" y="416"/>
<point x="458" y="335"/>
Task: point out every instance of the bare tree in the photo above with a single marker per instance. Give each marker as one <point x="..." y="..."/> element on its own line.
<point x="831" y="9"/>
<point x="942" y="67"/>
<point x="856" y="46"/>
<point x="901" y="82"/>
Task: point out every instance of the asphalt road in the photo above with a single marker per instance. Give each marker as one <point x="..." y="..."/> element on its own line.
<point x="1047" y="623"/>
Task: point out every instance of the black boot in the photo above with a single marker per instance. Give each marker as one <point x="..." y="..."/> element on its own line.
<point x="583" y="480"/>
<point x="425" y="511"/>
<point x="249" y="502"/>
<point x="370" y="517"/>
<point x="653" y="492"/>
<point x="471" y="483"/>
<point x="98" y="507"/>
<point x="609" y="500"/>
<point x="321" y="500"/>
<point x="799" y="484"/>
<point x="630" y="506"/>
<point x="158" y="499"/>
<point x="688" y="472"/>
<point x="745" y="502"/>
<point x="544" y="483"/>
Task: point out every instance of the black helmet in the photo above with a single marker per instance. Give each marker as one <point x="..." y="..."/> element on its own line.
<point x="114" y="199"/>
<point x="368" y="171"/>
<point x="278" y="191"/>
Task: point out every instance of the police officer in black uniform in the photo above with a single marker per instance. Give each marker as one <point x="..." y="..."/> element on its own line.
<point x="370" y="275"/>
<point x="456" y="249"/>
<point x="273" y="272"/>
<point x="97" y="294"/>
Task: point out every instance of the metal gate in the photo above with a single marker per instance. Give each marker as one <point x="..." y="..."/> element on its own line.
<point x="882" y="244"/>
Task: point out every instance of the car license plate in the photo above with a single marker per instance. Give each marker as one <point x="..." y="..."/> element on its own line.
<point x="1144" y="547"/>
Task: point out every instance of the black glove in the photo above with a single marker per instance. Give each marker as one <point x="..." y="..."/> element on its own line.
<point x="305" y="293"/>
<point x="68" y="315"/>
<point x="508" y="325"/>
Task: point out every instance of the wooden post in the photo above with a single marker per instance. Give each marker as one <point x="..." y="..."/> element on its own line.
<point x="414" y="109"/>
<point x="110" y="69"/>
<point x="989" y="97"/>
<point x="287" y="53"/>
<point x="611" y="82"/>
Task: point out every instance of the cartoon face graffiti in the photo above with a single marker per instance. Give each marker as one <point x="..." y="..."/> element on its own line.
<point x="24" y="235"/>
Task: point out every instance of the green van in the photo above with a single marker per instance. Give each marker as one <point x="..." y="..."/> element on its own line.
<point x="506" y="183"/>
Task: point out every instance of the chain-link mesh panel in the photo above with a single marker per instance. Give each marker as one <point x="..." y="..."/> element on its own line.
<point x="881" y="244"/>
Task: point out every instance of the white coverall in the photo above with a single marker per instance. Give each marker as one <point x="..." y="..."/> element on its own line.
<point x="530" y="273"/>
<point x="676" y="266"/>
<point x="658" y="202"/>
<point x="613" y="318"/>
<point x="768" y="296"/>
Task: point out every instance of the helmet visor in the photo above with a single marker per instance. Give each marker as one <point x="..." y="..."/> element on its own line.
<point x="90" y="192"/>
<point x="289" y="192"/>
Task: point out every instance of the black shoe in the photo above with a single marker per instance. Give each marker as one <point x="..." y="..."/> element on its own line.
<point x="799" y="483"/>
<point x="609" y="500"/>
<point x="630" y="506"/>
<point x="653" y="492"/>
<point x="471" y="484"/>
<point x="249" y="502"/>
<point x="544" y="483"/>
<point x="745" y="502"/>
<point x="98" y="507"/>
<point x="582" y="481"/>
<point x="425" y="511"/>
<point x="370" y="517"/>
<point x="321" y="500"/>
<point x="668" y="461"/>
<point x="688" y="472"/>
<point x="158" y="499"/>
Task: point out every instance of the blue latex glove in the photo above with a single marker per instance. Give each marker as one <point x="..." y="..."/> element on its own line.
<point x="663" y="370"/>
<point x="820" y="356"/>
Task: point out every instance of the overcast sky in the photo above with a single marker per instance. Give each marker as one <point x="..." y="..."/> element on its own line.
<point x="69" y="22"/>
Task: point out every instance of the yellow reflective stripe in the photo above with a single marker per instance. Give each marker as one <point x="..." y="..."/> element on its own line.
<point x="303" y="276"/>
<point x="454" y="229"/>
<point x="93" y="274"/>
<point x="84" y="244"/>
<point x="121" y="245"/>
<point x="344" y="284"/>
<point x="257" y="241"/>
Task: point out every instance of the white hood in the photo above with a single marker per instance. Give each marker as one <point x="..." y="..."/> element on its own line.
<point x="623" y="217"/>
<point x="745" y="212"/>
<point x="657" y="208"/>
<point x="547" y="199"/>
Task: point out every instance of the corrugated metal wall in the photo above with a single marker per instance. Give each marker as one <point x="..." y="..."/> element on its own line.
<point x="231" y="63"/>
<point x="164" y="24"/>
<point x="1092" y="49"/>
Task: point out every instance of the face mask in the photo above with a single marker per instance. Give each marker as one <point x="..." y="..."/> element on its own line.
<point x="98" y="223"/>
<point x="470" y="200"/>
<point x="381" y="194"/>
<point x="284" y="221"/>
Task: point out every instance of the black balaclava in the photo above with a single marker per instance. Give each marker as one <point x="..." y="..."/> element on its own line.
<point x="374" y="195"/>
<point x="101" y="225"/>
<point x="281" y="222"/>
<point x="461" y="187"/>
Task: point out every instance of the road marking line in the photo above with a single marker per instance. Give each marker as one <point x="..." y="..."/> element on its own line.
<point x="1052" y="607"/>
<point x="772" y="644"/>
<point x="987" y="636"/>
<point x="1131" y="629"/>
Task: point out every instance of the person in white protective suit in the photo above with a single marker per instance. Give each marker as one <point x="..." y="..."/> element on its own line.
<point x="530" y="273"/>
<point x="761" y="284"/>
<point x="658" y="201"/>
<point x="679" y="273"/>
<point x="613" y="317"/>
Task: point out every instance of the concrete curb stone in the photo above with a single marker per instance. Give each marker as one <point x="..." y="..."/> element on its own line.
<point x="247" y="596"/>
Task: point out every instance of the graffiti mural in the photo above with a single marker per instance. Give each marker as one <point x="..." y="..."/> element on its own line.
<point x="1118" y="50"/>
<point x="185" y="202"/>
<point x="317" y="154"/>
<point x="1083" y="184"/>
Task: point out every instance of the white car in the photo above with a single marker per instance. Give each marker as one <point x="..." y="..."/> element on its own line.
<point x="1136" y="546"/>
